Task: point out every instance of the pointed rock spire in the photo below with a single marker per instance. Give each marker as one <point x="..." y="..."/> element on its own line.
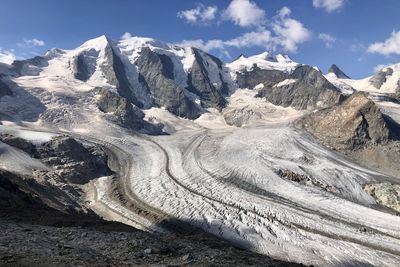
<point x="338" y="72"/>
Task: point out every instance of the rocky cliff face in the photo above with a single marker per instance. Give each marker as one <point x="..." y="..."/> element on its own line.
<point x="353" y="124"/>
<point x="73" y="161"/>
<point x="120" y="111"/>
<point x="360" y="130"/>
<point x="305" y="88"/>
<point x="157" y="71"/>
<point x="199" y="82"/>
<point x="256" y="76"/>
<point x="337" y="72"/>
<point x="4" y="89"/>
<point x="381" y="77"/>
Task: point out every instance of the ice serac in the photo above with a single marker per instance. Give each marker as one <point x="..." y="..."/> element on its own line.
<point x="304" y="88"/>
<point x="157" y="71"/>
<point x="338" y="72"/>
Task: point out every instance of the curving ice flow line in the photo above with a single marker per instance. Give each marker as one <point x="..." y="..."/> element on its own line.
<point x="223" y="182"/>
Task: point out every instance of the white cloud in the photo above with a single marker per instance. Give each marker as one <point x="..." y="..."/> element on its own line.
<point x="206" y="46"/>
<point x="328" y="39"/>
<point x="261" y="38"/>
<point x="199" y="15"/>
<point x="285" y="34"/>
<point x="244" y="13"/>
<point x="31" y="43"/>
<point x="389" y="46"/>
<point x="7" y="57"/>
<point x="289" y="33"/>
<point x="328" y="5"/>
<point x="126" y="35"/>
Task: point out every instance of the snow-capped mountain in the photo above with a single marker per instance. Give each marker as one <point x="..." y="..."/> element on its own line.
<point x="334" y="70"/>
<point x="147" y="72"/>
<point x="265" y="61"/>
<point x="284" y="82"/>
<point x="384" y="81"/>
<point x="113" y="80"/>
<point x="337" y="77"/>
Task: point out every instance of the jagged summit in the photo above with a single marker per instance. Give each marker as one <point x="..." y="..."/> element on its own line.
<point x="338" y="72"/>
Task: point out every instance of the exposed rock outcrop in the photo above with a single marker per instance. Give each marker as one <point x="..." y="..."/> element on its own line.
<point x="18" y="143"/>
<point x="122" y="112"/>
<point x="158" y="73"/>
<point x="72" y="161"/>
<point x="353" y="124"/>
<point x="31" y="192"/>
<point x="29" y="67"/>
<point x="383" y="157"/>
<point x="338" y="72"/>
<point x="85" y="64"/>
<point x="360" y="130"/>
<point x="4" y="89"/>
<point x="380" y="77"/>
<point x="211" y="95"/>
<point x="306" y="88"/>
<point x="386" y="194"/>
<point x="256" y="76"/>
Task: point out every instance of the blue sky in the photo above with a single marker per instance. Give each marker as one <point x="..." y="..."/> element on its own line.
<point x="357" y="35"/>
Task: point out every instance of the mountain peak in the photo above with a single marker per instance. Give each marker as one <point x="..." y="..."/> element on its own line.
<point x="338" y="72"/>
<point x="97" y="43"/>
